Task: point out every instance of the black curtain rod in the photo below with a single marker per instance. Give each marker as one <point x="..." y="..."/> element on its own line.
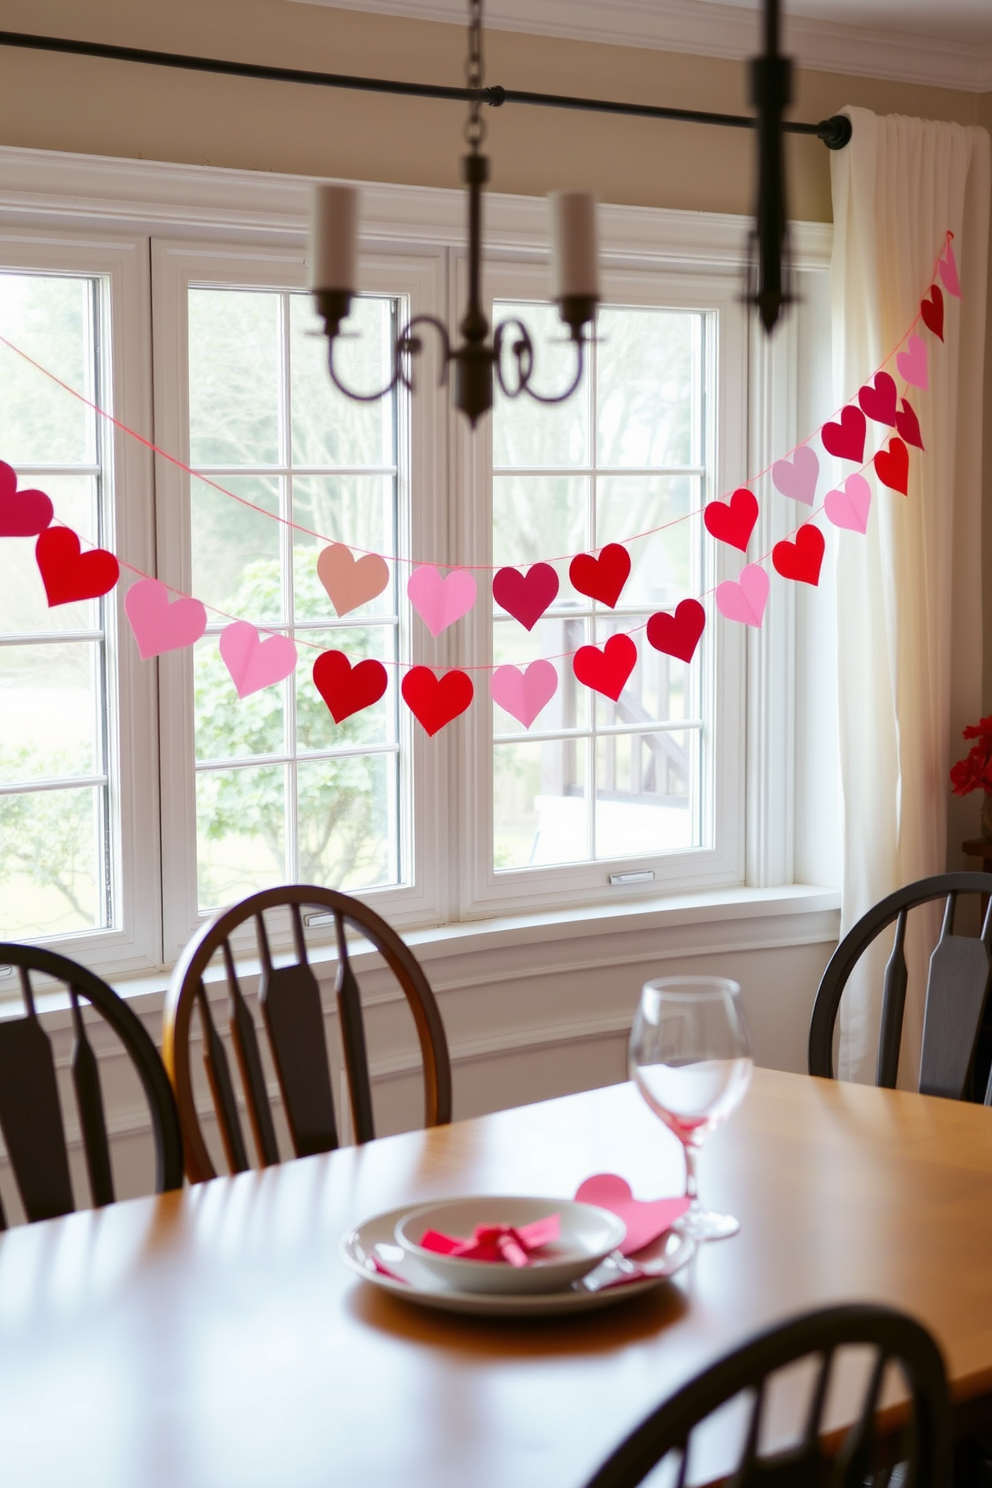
<point x="834" y="132"/>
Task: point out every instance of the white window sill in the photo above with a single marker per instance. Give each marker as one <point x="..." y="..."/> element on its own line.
<point x="517" y="947"/>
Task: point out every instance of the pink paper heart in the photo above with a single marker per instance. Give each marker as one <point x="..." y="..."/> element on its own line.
<point x="912" y="363"/>
<point x="850" y="507"/>
<point x="254" y="663"/>
<point x="159" y="625"/>
<point x="948" y="270"/>
<point x="524" y="693"/>
<point x="797" y="477"/>
<point x="646" y="1219"/>
<point x="440" y="602"/>
<point x="744" y="600"/>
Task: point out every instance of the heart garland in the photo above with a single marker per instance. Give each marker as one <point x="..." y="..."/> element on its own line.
<point x="161" y="623"/>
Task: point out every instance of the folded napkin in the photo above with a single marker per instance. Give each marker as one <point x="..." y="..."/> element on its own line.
<point x="514" y="1244"/>
<point x="646" y="1219"/>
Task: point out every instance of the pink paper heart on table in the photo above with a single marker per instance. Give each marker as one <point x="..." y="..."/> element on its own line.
<point x="524" y="693"/>
<point x="912" y="363"/>
<point x="745" y="599"/>
<point x="948" y="270"/>
<point x="850" y="507"/>
<point x="797" y="477"/>
<point x="440" y="602"/>
<point x="646" y="1219"/>
<point x="158" y="624"/>
<point x="254" y="663"/>
<point x="350" y="582"/>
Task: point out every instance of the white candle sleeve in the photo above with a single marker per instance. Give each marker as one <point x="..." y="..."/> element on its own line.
<point x="333" y="255"/>
<point x="575" y="250"/>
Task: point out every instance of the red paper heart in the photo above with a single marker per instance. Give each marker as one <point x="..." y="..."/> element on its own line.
<point x="526" y="596"/>
<point x="879" y="402"/>
<point x="846" y="440"/>
<point x="732" y="522"/>
<point x="69" y="575"/>
<point x="601" y="578"/>
<point x="435" y="701"/>
<point x="347" y="689"/>
<point x="932" y="310"/>
<point x="678" y="634"/>
<point x="22" y="513"/>
<point x="801" y="560"/>
<point x="606" y="671"/>
<point x="892" y="466"/>
<point x="909" y="425"/>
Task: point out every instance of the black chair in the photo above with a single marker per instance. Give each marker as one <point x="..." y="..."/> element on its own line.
<point x="293" y="1025"/>
<point x="30" y="1108"/>
<point x="957" y="990"/>
<point x="893" y="1338"/>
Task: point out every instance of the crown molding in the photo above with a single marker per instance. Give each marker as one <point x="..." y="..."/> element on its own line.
<point x="715" y="30"/>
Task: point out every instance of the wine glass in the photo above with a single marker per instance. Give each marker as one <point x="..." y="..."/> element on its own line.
<point x="691" y="1059"/>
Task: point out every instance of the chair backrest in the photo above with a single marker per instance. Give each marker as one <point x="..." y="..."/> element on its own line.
<point x="957" y="988"/>
<point x="893" y="1338"/>
<point x="293" y="1019"/>
<point x="30" y="1109"/>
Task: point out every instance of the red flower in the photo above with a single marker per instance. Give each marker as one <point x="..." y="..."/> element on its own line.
<point x="980" y="730"/>
<point x="974" y="772"/>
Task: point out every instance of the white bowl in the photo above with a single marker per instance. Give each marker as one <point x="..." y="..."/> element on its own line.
<point x="587" y="1235"/>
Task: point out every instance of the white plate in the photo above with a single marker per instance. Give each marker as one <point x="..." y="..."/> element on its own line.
<point x="377" y="1237"/>
<point x="587" y="1235"/>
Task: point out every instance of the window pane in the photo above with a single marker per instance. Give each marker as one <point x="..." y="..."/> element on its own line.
<point x="24" y="608"/>
<point x="241" y="832"/>
<point x="526" y="433"/>
<point x="648" y="387"/>
<point x="662" y="570"/>
<point x="229" y="727"/>
<point x="234" y="367"/>
<point x="643" y="793"/>
<point x="357" y="510"/>
<point x="539" y="517"/>
<point x="236" y="550"/>
<point x="47" y="317"/>
<point x="541" y="812"/>
<point x="51" y="704"/>
<point x="328" y="428"/>
<point x="346" y="809"/>
<point x="52" y="852"/>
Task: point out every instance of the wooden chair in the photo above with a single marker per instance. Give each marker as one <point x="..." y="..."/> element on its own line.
<point x="293" y="1019"/>
<point x="30" y="1109"/>
<point x="893" y="1338"/>
<point x="957" y="989"/>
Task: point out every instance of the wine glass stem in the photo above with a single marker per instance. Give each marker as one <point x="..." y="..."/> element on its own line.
<point x="691" y="1191"/>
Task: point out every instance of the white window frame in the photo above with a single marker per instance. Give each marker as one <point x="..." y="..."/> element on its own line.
<point x="419" y="281"/>
<point x="135" y="943"/>
<point x="720" y="860"/>
<point x="72" y="206"/>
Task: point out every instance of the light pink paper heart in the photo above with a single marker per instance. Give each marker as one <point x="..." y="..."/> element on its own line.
<point x="254" y="663"/>
<point x="745" y="599"/>
<point x="350" y="582"/>
<point x="850" y="507"/>
<point x="440" y="602"/>
<point x="158" y="625"/>
<point x="948" y="270"/>
<point x="797" y="477"/>
<point x="912" y="363"/>
<point x="524" y="693"/>
<point x="646" y="1219"/>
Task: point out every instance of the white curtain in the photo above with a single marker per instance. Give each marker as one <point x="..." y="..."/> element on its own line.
<point x="909" y="599"/>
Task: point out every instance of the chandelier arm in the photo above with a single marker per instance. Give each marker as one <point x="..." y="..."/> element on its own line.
<point x="408" y="345"/>
<point x="523" y="353"/>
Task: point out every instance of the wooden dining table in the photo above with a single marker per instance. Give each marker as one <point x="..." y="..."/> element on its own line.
<point x="214" y="1337"/>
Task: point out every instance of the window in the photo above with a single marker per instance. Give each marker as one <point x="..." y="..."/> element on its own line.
<point x="184" y="797"/>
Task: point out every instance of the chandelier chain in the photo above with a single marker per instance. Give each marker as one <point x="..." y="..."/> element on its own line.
<point x="475" y="126"/>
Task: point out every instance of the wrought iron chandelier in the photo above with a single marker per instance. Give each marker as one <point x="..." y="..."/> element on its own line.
<point x="477" y="360"/>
